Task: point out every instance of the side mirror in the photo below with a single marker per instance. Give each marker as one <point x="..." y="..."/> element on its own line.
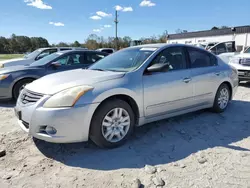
<point x="55" y="65"/>
<point x="159" y="67"/>
<point x="41" y="56"/>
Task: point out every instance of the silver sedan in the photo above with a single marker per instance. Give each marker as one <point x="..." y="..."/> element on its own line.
<point x="129" y="88"/>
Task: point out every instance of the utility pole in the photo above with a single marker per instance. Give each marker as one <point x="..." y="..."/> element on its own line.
<point x="116" y="24"/>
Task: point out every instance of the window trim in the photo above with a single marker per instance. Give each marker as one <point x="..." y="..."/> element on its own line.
<point x="44" y="51"/>
<point x="204" y="52"/>
<point x="185" y="57"/>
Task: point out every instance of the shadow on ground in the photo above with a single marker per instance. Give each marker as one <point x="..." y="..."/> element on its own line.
<point x="161" y="142"/>
<point x="7" y="104"/>
<point x="245" y="84"/>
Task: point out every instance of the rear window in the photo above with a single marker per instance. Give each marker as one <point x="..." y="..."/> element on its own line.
<point x="199" y="59"/>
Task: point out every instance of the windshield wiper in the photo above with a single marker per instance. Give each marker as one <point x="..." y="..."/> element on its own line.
<point x="98" y="69"/>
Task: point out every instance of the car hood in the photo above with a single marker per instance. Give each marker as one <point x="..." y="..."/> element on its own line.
<point x="57" y="82"/>
<point x="15" y="62"/>
<point x="243" y="55"/>
<point x="16" y="68"/>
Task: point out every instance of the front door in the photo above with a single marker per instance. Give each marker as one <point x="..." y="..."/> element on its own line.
<point x="171" y="90"/>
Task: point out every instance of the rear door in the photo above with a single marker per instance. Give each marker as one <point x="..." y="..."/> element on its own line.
<point x="205" y="75"/>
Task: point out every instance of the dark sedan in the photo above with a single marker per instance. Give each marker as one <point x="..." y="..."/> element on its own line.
<point x="13" y="79"/>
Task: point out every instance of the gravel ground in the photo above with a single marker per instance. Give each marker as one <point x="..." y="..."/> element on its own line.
<point x="200" y="149"/>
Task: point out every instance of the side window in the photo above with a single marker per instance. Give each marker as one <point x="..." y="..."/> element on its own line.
<point x="199" y="59"/>
<point x="247" y="50"/>
<point x="174" y="56"/>
<point x="46" y="53"/>
<point x="63" y="49"/>
<point x="72" y="59"/>
<point x="108" y="51"/>
<point x="219" y="49"/>
<point x="92" y="57"/>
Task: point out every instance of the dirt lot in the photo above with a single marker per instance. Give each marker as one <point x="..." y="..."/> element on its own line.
<point x="200" y="150"/>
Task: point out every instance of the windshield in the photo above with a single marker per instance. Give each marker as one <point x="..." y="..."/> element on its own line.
<point x="124" y="60"/>
<point x="46" y="59"/>
<point x="247" y="50"/>
<point x="33" y="54"/>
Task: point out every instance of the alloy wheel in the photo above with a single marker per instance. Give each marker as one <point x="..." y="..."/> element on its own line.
<point x="115" y="125"/>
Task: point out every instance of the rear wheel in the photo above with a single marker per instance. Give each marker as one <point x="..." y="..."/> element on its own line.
<point x="112" y="124"/>
<point x="222" y="98"/>
<point x="19" y="86"/>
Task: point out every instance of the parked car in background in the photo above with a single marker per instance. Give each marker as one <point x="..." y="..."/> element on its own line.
<point x="209" y="45"/>
<point x="242" y="63"/>
<point x="35" y="56"/>
<point x="13" y="79"/>
<point x="106" y="50"/>
<point x="129" y="88"/>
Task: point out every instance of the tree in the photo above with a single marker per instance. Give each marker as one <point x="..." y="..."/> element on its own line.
<point x="62" y="44"/>
<point x="224" y="27"/>
<point x="178" y="31"/>
<point x="76" y="44"/>
<point x="214" y="28"/>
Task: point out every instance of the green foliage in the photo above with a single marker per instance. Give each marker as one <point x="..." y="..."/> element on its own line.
<point x="22" y="44"/>
<point x="10" y="56"/>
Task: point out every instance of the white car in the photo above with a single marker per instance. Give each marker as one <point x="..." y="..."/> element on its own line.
<point x="242" y="63"/>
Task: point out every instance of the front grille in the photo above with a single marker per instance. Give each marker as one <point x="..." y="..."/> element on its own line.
<point x="243" y="73"/>
<point x="28" y="97"/>
<point x="26" y="125"/>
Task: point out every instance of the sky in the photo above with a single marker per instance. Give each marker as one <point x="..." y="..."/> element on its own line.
<point x="70" y="20"/>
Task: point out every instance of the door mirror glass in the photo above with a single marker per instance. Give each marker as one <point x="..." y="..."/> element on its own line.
<point x="41" y="56"/>
<point x="55" y="65"/>
<point x="159" y="67"/>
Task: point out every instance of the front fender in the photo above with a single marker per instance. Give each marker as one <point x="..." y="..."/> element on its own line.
<point x="105" y="90"/>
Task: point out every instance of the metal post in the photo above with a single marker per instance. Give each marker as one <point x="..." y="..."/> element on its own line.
<point x="116" y="30"/>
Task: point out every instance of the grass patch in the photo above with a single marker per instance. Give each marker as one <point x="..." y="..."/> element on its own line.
<point x="10" y="56"/>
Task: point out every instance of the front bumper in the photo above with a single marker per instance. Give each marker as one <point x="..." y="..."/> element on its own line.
<point x="243" y="71"/>
<point x="244" y="75"/>
<point x="71" y="124"/>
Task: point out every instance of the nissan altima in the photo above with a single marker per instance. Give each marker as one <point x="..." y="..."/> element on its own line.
<point x="129" y="88"/>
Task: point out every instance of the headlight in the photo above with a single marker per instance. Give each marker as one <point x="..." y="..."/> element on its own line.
<point x="66" y="98"/>
<point x="234" y="60"/>
<point x="3" y="76"/>
<point x="245" y="61"/>
<point x="1" y="65"/>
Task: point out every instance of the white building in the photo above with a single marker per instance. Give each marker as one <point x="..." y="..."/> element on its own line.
<point x="241" y="36"/>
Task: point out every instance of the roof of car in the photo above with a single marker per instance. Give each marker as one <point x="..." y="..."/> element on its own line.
<point x="105" y="49"/>
<point x="76" y="50"/>
<point x="158" y="45"/>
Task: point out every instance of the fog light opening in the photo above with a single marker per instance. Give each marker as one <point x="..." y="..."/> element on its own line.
<point x="50" y="130"/>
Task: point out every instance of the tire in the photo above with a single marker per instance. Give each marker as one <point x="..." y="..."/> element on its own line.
<point x="221" y="101"/>
<point x="19" y="86"/>
<point x="98" y="130"/>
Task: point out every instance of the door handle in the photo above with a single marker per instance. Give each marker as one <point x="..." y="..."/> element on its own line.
<point x="217" y="73"/>
<point x="187" y="80"/>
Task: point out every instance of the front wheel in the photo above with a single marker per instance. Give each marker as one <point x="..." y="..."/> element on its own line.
<point x="222" y="99"/>
<point x="112" y="124"/>
<point x="19" y="86"/>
